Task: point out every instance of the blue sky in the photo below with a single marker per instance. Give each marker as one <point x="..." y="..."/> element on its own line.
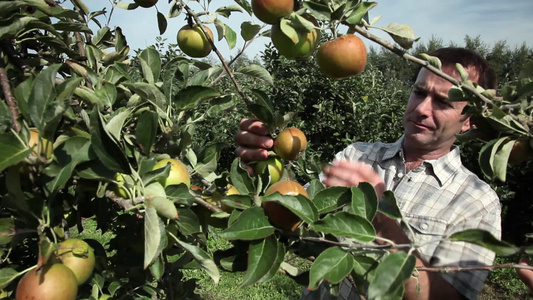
<point x="450" y="20"/>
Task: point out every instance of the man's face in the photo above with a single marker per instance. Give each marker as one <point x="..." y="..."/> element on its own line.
<point x="430" y="121"/>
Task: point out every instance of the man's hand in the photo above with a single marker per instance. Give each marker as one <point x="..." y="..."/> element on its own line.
<point x="252" y="142"/>
<point x="352" y="173"/>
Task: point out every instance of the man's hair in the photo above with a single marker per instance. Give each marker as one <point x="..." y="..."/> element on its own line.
<point x="468" y="59"/>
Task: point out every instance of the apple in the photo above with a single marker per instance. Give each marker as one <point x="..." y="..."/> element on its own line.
<point x="275" y="168"/>
<point x="178" y="172"/>
<point x="119" y="190"/>
<point x="270" y="11"/>
<point x="193" y="42"/>
<point x="51" y="282"/>
<point x="78" y="256"/>
<point x="342" y="57"/>
<point x="145" y="3"/>
<point x="307" y="41"/>
<point x="279" y="215"/>
<point x="44" y="146"/>
<point x="290" y="143"/>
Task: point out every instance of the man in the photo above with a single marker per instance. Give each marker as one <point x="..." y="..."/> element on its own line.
<point x="436" y="194"/>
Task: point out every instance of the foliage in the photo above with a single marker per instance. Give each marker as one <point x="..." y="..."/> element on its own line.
<point x="112" y="116"/>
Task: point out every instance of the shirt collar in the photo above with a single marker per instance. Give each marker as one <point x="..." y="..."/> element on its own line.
<point x="444" y="167"/>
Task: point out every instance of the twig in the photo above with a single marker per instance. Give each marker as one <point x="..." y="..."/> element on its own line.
<point x="246" y="44"/>
<point x="207" y="205"/>
<point x="489" y="268"/>
<point x="354" y="246"/>
<point x="220" y="57"/>
<point x="10" y="99"/>
<point x="422" y="62"/>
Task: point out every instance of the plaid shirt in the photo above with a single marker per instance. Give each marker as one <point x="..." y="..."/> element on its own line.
<point x="437" y="199"/>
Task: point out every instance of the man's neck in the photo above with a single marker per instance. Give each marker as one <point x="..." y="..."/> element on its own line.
<point x="414" y="156"/>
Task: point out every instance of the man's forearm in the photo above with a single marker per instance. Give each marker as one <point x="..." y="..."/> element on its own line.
<point x="427" y="285"/>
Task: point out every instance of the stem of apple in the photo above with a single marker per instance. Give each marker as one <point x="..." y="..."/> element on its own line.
<point x="220" y="57"/>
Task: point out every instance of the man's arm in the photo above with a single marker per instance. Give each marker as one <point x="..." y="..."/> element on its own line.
<point x="428" y="285"/>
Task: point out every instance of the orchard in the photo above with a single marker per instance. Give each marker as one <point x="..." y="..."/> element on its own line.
<point x="91" y="130"/>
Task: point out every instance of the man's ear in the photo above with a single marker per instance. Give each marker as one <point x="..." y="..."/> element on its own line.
<point x="466" y="125"/>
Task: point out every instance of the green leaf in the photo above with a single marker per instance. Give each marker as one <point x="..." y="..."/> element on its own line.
<point x="154" y="234"/>
<point x="249" y="30"/>
<point x="22" y="94"/>
<point x="319" y="10"/>
<point x="106" y="147"/>
<point x="485" y="239"/>
<point x="161" y="23"/>
<point x="116" y="123"/>
<point x="227" y="10"/>
<point x="462" y="72"/>
<point x="314" y="187"/>
<point x="101" y="35"/>
<point x="83" y="71"/>
<point x="157" y="268"/>
<point x="60" y="179"/>
<point x="264" y="259"/>
<point x="204" y="259"/>
<point x="179" y="194"/>
<point x="257" y="72"/>
<point x="7" y="230"/>
<point x="501" y="157"/>
<point x="42" y="98"/>
<point x="146" y="131"/>
<point x="390" y="275"/>
<point x="12" y="150"/>
<point x="289" y="31"/>
<point x="343" y="224"/>
<point x="245" y="5"/>
<point x="401" y="34"/>
<point x="150" y="64"/>
<point x="389" y="206"/>
<point x="333" y="265"/>
<point x="364" y="200"/>
<point x="299" y="205"/>
<point x="240" y="178"/>
<point x="252" y="224"/>
<point x="71" y="26"/>
<point x="434" y="61"/>
<point x="188" y="222"/>
<point x="156" y="197"/>
<point x="149" y="92"/>
<point x="7" y="275"/>
<point x="331" y="198"/>
<point x="73" y="149"/>
<point x="231" y="36"/>
<point x="485" y="158"/>
<point x="356" y="16"/>
<point x="192" y="96"/>
<point x="209" y="159"/>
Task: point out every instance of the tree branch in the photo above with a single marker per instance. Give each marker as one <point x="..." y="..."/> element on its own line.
<point x="10" y="99"/>
<point x="422" y="62"/>
<point x="220" y="57"/>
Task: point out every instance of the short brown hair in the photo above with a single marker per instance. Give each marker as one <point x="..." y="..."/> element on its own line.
<point x="468" y="59"/>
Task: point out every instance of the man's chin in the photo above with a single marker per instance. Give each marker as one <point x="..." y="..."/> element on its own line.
<point x="419" y="140"/>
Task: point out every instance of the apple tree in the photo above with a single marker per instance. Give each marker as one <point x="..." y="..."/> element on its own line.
<point x="91" y="131"/>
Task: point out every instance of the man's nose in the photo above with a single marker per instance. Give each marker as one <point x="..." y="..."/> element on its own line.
<point x="425" y="106"/>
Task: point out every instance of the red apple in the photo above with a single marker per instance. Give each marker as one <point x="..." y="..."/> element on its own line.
<point x="270" y="11"/>
<point x="342" y="57"/>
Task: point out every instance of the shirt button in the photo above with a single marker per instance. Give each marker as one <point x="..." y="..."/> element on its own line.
<point x="400" y="175"/>
<point x="424" y="226"/>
